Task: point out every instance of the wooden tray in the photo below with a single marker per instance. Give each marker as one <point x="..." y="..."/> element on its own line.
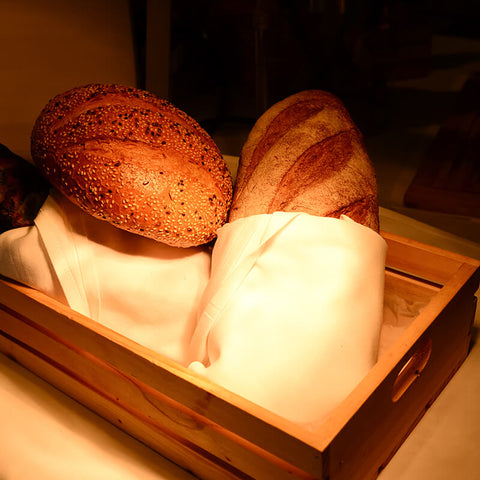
<point x="215" y="434"/>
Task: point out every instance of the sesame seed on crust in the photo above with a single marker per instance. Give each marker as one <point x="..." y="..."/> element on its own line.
<point x="129" y="157"/>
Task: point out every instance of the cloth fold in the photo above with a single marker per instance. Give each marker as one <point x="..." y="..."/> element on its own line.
<point x="285" y="311"/>
<point x="140" y="288"/>
<point x="291" y="317"/>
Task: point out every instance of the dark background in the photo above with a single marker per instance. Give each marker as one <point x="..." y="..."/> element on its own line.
<point x="231" y="60"/>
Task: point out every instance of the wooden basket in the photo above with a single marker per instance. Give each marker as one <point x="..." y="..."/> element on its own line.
<point x="216" y="434"/>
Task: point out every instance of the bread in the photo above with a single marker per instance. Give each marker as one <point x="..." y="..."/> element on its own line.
<point x="128" y="157"/>
<point x="22" y="191"/>
<point x="305" y="154"/>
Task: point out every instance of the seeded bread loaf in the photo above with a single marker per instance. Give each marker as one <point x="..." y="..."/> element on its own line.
<point x="22" y="191"/>
<point x="135" y="160"/>
<point x="305" y="154"/>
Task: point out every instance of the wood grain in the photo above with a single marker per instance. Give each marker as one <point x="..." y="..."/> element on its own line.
<point x="218" y="435"/>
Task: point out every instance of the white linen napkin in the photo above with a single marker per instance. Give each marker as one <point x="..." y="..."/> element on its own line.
<point x="292" y="315"/>
<point x="145" y="290"/>
<point x="286" y="312"/>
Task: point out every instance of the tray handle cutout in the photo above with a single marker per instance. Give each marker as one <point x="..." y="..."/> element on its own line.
<point x="411" y="370"/>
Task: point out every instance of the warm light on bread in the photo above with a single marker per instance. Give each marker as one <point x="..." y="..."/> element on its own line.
<point x="133" y="159"/>
<point x="305" y="154"/>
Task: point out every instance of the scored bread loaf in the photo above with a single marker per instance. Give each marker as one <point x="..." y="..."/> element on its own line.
<point x="133" y="159"/>
<point x="305" y="154"/>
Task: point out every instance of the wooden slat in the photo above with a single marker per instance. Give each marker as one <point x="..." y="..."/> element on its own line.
<point x="431" y="263"/>
<point x="406" y="287"/>
<point x="74" y="338"/>
<point x="170" y="446"/>
<point x="166" y="426"/>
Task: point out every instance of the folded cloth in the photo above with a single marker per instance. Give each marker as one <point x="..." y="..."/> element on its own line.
<point x="145" y="290"/>
<point x="292" y="315"/>
<point x="286" y="311"/>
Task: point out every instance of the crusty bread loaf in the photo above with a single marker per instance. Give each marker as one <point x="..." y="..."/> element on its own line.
<point x="23" y="191"/>
<point x="133" y="159"/>
<point x="305" y="154"/>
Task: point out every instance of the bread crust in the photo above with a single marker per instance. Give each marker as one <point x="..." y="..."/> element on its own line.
<point x="306" y="154"/>
<point x="23" y="191"/>
<point x="133" y="159"/>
